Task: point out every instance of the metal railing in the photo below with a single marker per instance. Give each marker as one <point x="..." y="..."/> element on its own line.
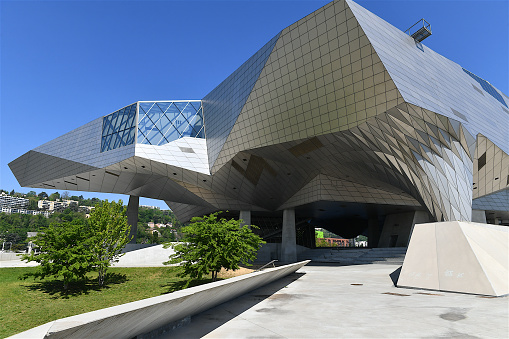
<point x="422" y="32"/>
<point x="267" y="264"/>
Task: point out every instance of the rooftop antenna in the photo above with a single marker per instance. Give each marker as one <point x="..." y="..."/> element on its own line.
<point x="421" y="32"/>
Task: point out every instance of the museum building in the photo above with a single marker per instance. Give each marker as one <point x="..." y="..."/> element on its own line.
<point x="340" y="121"/>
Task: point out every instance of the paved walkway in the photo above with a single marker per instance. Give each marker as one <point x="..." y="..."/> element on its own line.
<point x="349" y="302"/>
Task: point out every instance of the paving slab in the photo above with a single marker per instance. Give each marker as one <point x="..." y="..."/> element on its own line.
<point x="327" y="301"/>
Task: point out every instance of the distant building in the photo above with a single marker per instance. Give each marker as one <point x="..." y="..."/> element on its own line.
<point x="55" y="205"/>
<point x="24" y="211"/>
<point x="8" y="201"/>
<point x="337" y="241"/>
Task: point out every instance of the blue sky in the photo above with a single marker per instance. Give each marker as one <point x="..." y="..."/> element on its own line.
<point x="66" y="63"/>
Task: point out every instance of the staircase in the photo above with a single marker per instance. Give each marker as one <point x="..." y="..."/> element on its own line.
<point x="356" y="256"/>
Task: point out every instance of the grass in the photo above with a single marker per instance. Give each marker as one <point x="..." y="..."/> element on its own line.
<point x="29" y="303"/>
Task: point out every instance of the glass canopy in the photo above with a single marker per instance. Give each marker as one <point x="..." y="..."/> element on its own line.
<point x="160" y="122"/>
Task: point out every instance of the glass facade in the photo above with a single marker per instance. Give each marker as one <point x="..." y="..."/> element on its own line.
<point x="160" y="122"/>
<point x="119" y="128"/>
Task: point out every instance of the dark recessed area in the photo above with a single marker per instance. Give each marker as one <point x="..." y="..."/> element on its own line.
<point x="125" y="167"/>
<point x="174" y="173"/>
<point x="204" y="180"/>
<point x="142" y="166"/>
<point x="496" y="178"/>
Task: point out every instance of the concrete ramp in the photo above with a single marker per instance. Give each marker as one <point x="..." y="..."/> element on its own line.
<point x="152" y="256"/>
<point x="458" y="256"/>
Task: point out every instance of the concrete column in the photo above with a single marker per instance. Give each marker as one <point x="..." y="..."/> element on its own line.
<point x="245" y="216"/>
<point x="289" y="239"/>
<point x="479" y="216"/>
<point x="373" y="232"/>
<point x="132" y="216"/>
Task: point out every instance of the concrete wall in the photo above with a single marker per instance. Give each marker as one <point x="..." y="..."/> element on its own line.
<point x="147" y="315"/>
<point x="401" y="225"/>
<point x="271" y="251"/>
<point x="10" y="256"/>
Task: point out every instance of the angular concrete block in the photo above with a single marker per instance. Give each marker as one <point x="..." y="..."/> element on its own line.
<point x="458" y="256"/>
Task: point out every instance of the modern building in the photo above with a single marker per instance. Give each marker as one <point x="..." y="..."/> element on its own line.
<point x="340" y="121"/>
<point x="9" y="210"/>
<point x="55" y="205"/>
<point x="7" y="201"/>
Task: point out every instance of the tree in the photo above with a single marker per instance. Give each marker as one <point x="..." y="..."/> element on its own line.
<point x="65" y="251"/>
<point x="210" y="244"/>
<point x="65" y="195"/>
<point x="42" y="195"/>
<point x="54" y="196"/>
<point x="108" y="223"/>
<point x="71" y="247"/>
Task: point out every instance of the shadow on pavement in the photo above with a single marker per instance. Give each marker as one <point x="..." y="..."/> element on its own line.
<point x="203" y="323"/>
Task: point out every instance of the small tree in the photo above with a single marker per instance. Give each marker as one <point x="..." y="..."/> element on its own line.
<point x="110" y="229"/>
<point x="210" y="244"/>
<point x="65" y="251"/>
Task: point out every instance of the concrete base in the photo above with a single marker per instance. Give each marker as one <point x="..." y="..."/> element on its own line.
<point x="458" y="257"/>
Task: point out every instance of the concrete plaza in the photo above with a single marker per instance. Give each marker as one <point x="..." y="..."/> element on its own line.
<point x="358" y="301"/>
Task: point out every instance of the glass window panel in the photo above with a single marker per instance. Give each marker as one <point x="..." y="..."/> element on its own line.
<point x="172" y="112"/>
<point x="163" y="106"/>
<point x="196" y="105"/>
<point x="171" y="134"/>
<point x="131" y="136"/>
<point x="123" y="120"/>
<point x="142" y="139"/>
<point x="201" y="133"/>
<point x="145" y="106"/>
<point x="164" y="124"/>
<point x="113" y="141"/>
<point x="117" y="127"/>
<point x="181" y="105"/>
<point x="153" y="136"/>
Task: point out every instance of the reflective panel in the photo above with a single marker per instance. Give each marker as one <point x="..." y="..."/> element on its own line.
<point x="487" y="87"/>
<point x="161" y="122"/>
<point x="119" y="128"/>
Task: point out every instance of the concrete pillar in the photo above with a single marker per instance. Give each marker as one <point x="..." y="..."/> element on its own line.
<point x="289" y="239"/>
<point x="479" y="216"/>
<point x="132" y="216"/>
<point x="373" y="232"/>
<point x="245" y="216"/>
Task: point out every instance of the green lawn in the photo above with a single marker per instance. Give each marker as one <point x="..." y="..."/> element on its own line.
<point x="30" y="303"/>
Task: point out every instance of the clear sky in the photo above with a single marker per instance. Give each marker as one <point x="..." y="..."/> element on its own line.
<point x="66" y="63"/>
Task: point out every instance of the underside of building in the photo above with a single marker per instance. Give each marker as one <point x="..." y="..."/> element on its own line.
<point x="340" y="121"/>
